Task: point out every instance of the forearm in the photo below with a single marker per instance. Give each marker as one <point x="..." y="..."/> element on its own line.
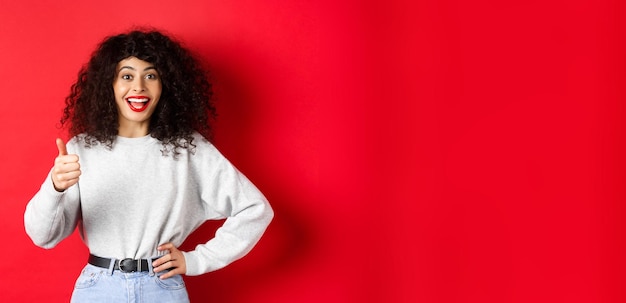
<point x="51" y="216"/>
<point x="233" y="240"/>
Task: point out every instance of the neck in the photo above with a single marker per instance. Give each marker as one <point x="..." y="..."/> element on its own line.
<point x="133" y="131"/>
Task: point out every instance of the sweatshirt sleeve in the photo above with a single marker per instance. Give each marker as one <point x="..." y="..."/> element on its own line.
<point x="230" y="194"/>
<point x="52" y="216"/>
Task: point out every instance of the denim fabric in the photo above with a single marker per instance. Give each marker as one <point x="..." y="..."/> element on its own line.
<point x="96" y="284"/>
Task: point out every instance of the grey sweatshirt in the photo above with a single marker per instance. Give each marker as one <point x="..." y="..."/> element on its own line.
<point x="131" y="198"/>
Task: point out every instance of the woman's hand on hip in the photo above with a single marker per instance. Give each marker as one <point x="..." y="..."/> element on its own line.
<point x="174" y="261"/>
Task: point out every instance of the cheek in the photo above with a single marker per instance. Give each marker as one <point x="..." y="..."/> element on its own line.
<point x="117" y="91"/>
<point x="157" y="89"/>
<point x="121" y="88"/>
<point x="157" y="93"/>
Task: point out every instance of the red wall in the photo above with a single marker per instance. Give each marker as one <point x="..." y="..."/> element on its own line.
<point x="427" y="151"/>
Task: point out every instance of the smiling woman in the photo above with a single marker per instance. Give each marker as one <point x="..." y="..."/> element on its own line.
<point x="137" y="89"/>
<point x="186" y="106"/>
<point x="140" y="175"/>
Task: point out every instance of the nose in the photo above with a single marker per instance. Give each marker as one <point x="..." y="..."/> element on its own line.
<point x="138" y="85"/>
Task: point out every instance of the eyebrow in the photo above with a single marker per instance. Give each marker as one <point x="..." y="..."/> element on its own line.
<point x="132" y="68"/>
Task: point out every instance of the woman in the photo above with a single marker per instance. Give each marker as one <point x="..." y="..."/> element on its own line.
<point x="139" y="175"/>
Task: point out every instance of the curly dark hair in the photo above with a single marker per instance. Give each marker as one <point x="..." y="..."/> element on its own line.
<point x="185" y="105"/>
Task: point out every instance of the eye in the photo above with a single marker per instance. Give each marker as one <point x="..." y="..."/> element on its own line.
<point x="126" y="77"/>
<point x="151" y="76"/>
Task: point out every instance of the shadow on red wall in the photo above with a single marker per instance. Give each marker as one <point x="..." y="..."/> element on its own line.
<point x="283" y="248"/>
<point x="242" y="110"/>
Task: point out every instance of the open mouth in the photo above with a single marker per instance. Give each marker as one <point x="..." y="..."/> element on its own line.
<point x="138" y="104"/>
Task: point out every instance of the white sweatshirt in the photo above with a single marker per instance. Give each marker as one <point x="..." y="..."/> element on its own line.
<point x="131" y="198"/>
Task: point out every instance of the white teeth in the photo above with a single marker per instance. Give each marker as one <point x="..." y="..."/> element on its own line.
<point x="138" y="100"/>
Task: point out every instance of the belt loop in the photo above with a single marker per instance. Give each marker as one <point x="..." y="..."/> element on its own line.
<point x="150" y="269"/>
<point x="111" y="267"/>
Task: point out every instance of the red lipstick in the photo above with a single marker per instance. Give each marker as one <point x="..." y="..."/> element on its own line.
<point x="138" y="103"/>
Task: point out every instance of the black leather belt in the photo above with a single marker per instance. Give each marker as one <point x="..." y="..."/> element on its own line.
<point x="126" y="265"/>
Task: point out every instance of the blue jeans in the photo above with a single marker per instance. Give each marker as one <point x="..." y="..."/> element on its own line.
<point x="96" y="284"/>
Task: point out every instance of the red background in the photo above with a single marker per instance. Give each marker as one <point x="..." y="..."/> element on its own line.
<point x="414" y="151"/>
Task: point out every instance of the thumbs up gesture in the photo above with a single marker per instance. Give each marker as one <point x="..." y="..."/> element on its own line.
<point x="66" y="168"/>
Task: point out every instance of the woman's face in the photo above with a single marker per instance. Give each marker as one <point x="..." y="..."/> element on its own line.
<point x="137" y="88"/>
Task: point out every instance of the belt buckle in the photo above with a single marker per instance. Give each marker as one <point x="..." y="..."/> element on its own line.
<point x="128" y="265"/>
